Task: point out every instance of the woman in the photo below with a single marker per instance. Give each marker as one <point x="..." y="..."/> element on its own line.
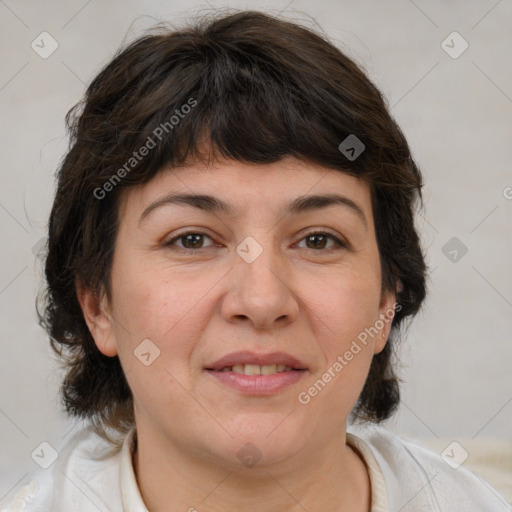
<point x="232" y="255"/>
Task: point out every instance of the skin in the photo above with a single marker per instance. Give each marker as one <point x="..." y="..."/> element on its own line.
<point x="310" y="300"/>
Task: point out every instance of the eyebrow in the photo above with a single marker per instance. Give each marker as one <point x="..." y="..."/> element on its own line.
<point x="214" y="204"/>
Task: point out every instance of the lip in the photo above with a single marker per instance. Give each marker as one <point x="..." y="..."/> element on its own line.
<point x="257" y="385"/>
<point x="247" y="357"/>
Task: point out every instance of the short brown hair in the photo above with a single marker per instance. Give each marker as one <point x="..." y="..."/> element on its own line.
<point x="261" y="88"/>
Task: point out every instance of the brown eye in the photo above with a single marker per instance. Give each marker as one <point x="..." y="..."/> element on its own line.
<point x="319" y="240"/>
<point x="191" y="240"/>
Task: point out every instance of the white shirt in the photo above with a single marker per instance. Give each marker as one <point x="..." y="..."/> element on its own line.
<point x="89" y="475"/>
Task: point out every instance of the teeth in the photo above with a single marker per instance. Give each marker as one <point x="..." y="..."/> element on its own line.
<point x="268" y="369"/>
<point x="254" y="369"/>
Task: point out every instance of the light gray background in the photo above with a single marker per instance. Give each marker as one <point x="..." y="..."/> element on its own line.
<point x="457" y="358"/>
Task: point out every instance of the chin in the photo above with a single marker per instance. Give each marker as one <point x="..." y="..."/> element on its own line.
<point x="265" y="443"/>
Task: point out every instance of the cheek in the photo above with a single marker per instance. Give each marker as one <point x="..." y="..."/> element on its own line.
<point x="147" y="300"/>
<point x="345" y="308"/>
<point x="156" y="328"/>
<point x="348" y="351"/>
<point x="345" y="305"/>
<point x="162" y="304"/>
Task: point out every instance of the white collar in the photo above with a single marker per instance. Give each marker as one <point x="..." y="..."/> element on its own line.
<point x="130" y="494"/>
<point x="377" y="483"/>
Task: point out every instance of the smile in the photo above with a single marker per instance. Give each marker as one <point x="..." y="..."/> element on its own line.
<point x="253" y="374"/>
<point x="255" y="369"/>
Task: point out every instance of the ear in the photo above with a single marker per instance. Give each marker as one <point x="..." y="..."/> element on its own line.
<point x="98" y="318"/>
<point x="387" y="308"/>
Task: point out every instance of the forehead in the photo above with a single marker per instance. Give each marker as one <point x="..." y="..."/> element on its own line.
<point x="244" y="188"/>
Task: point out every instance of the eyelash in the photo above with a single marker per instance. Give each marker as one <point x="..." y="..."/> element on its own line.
<point x="182" y="250"/>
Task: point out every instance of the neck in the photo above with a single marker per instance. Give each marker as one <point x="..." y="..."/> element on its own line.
<point x="171" y="480"/>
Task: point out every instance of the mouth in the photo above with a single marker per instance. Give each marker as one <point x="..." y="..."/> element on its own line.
<point x="244" y="360"/>
<point x="255" y="369"/>
<point x="257" y="374"/>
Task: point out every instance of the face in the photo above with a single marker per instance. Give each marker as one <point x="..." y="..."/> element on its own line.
<point x="204" y="298"/>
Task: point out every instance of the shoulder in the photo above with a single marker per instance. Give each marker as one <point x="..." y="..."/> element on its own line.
<point x="84" y="476"/>
<point x="419" y="479"/>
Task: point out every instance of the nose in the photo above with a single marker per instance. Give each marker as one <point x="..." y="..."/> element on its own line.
<point x="261" y="292"/>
